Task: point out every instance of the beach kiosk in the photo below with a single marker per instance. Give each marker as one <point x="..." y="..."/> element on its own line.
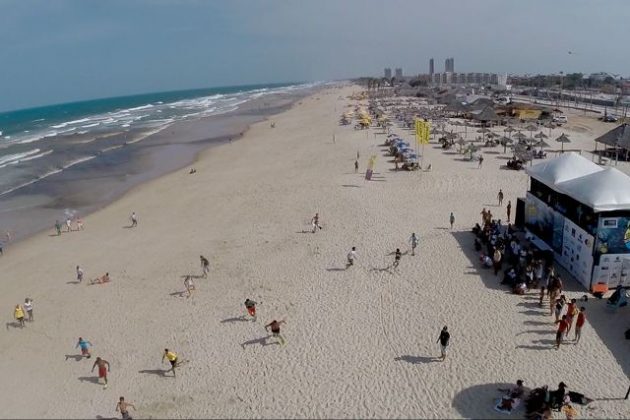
<point x="581" y="212"/>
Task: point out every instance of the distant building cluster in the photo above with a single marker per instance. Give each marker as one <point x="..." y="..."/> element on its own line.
<point x="450" y="77"/>
<point x="398" y="73"/>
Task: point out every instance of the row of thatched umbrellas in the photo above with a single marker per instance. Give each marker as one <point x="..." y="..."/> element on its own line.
<point x="507" y="139"/>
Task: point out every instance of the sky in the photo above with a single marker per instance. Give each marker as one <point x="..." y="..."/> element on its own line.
<point x="55" y="51"/>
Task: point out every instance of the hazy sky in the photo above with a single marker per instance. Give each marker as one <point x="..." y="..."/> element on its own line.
<point x="60" y="50"/>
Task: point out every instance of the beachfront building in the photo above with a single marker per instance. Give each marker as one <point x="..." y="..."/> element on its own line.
<point x="580" y="212"/>
<point x="398" y="73"/>
<point x="388" y="73"/>
<point x="431" y="67"/>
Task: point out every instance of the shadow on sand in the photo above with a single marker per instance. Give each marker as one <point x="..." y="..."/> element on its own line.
<point x="90" y="379"/>
<point x="416" y="360"/>
<point x="156" y="372"/>
<point x="477" y="401"/>
<point x="241" y="318"/>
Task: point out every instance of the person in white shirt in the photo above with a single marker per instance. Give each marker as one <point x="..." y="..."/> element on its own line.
<point x="414" y="243"/>
<point x="352" y="255"/>
<point x="69" y="224"/>
<point x="28" y="307"/>
<point x="134" y="219"/>
<point x="79" y="274"/>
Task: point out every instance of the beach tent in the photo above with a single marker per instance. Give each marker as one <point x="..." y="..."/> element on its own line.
<point x="566" y="167"/>
<point x="604" y="190"/>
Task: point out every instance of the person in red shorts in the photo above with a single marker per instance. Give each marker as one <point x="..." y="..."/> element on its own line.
<point x="103" y="368"/>
<point x="581" y="318"/>
<point x="563" y="325"/>
<point x="250" y="305"/>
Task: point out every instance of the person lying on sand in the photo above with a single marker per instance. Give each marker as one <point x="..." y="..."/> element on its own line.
<point x="100" y="280"/>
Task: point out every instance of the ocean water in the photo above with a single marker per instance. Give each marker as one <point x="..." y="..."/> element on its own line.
<point x="38" y="143"/>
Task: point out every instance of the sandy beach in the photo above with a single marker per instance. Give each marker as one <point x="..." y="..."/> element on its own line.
<point x="360" y="342"/>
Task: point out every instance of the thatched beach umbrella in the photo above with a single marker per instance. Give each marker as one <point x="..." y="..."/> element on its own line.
<point x="531" y="128"/>
<point x="550" y="126"/>
<point x="520" y="136"/>
<point x="504" y="141"/>
<point x="540" y="136"/>
<point x="563" y="139"/>
<point x="483" y="131"/>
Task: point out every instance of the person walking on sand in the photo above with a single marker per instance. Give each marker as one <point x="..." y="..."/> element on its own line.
<point x="397" y="256"/>
<point x="79" y="224"/>
<point x="123" y="407"/>
<point x="444" y="339"/>
<point x="500" y="197"/>
<point x="28" y="307"/>
<point x="452" y="220"/>
<point x="508" y="210"/>
<point x="275" y="330"/>
<point x="315" y="222"/>
<point x="189" y="285"/>
<point x="356" y="166"/>
<point x="414" y="243"/>
<point x="562" y="329"/>
<point x="18" y="314"/>
<point x="572" y="311"/>
<point x="171" y="356"/>
<point x="579" y="323"/>
<point x="79" y="274"/>
<point x="68" y="224"/>
<point x="205" y="266"/>
<point x="134" y="219"/>
<point x="84" y="345"/>
<point x="480" y="161"/>
<point x="58" y="227"/>
<point x="352" y="255"/>
<point x="250" y="305"/>
<point x="103" y="368"/>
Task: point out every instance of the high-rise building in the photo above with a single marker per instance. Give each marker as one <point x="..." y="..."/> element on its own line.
<point x="449" y="65"/>
<point x="388" y="73"/>
<point x="431" y="67"/>
<point x="399" y="74"/>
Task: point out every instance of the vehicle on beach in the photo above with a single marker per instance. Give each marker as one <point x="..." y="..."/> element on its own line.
<point x="560" y="119"/>
<point x="609" y="118"/>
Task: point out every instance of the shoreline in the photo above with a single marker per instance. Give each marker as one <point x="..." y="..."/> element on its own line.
<point x="230" y="126"/>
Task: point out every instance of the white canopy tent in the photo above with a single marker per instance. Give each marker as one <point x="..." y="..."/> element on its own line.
<point x="606" y="190"/>
<point x="566" y="167"/>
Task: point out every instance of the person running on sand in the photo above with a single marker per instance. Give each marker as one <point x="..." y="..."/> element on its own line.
<point x="572" y="311"/>
<point x="352" y="255"/>
<point x="28" y="307"/>
<point x="205" y="265"/>
<point x="79" y="224"/>
<point x="397" y="256"/>
<point x="189" y="285"/>
<point x="500" y="197"/>
<point x="123" y="407"/>
<point x="103" y="368"/>
<point x="58" y="227"/>
<point x="414" y="243"/>
<point x="508" y="210"/>
<point x="579" y="323"/>
<point x="18" y="314"/>
<point x="84" y="345"/>
<point x="250" y="305"/>
<point x="275" y="330"/>
<point x="79" y="274"/>
<point x="452" y="220"/>
<point x="562" y="328"/>
<point x="315" y="222"/>
<point x="68" y="225"/>
<point x="171" y="356"/>
<point x="444" y="339"/>
<point x="356" y="166"/>
<point x="134" y="219"/>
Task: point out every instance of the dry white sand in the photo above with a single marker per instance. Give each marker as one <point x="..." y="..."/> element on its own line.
<point x="360" y="343"/>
